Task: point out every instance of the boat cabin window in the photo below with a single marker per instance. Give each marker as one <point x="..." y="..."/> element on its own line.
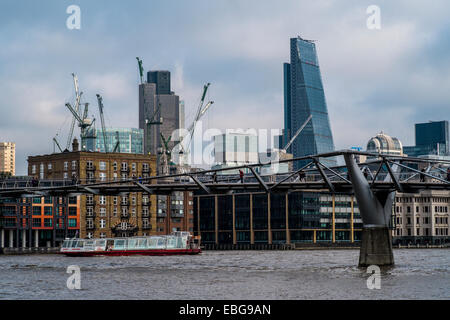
<point x="67" y="243"/>
<point x="119" y="244"/>
<point x="73" y="243"/>
<point x="80" y="244"/>
<point x="132" y="243"/>
<point x="89" y="243"/>
<point x="171" y="242"/>
<point x="100" y="243"/>
<point x="161" y="243"/>
<point x="142" y="243"/>
<point x="153" y="243"/>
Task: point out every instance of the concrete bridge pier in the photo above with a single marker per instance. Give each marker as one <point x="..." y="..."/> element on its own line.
<point x="375" y="209"/>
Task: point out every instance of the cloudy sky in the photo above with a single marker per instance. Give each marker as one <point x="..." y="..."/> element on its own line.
<point x="374" y="80"/>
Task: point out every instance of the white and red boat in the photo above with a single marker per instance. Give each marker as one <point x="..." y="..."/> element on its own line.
<point x="177" y="243"/>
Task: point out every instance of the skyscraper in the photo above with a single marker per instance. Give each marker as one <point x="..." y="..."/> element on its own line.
<point x="304" y="96"/>
<point x="432" y="138"/>
<point x="154" y="94"/>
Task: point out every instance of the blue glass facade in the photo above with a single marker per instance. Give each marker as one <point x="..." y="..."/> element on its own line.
<point x="306" y="97"/>
<point x="131" y="140"/>
<point x="432" y="138"/>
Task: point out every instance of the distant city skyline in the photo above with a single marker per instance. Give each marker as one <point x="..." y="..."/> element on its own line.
<point x="387" y="79"/>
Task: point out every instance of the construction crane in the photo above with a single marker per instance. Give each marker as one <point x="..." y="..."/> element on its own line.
<point x="201" y="110"/>
<point x="102" y="119"/>
<point x="84" y="123"/>
<point x="77" y="106"/>
<point x="57" y="144"/>
<point x="166" y="154"/>
<point x="296" y="134"/>
<point x="141" y="69"/>
<point x="117" y="146"/>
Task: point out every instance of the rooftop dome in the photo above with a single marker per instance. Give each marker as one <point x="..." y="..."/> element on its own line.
<point x="382" y="143"/>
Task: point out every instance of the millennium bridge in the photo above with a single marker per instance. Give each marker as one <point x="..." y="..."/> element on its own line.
<point x="373" y="182"/>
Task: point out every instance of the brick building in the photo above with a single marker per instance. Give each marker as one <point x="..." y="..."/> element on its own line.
<point x="132" y="214"/>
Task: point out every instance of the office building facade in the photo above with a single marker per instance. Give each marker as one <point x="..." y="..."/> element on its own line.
<point x="304" y="96"/>
<point x="253" y="219"/>
<point x="38" y="221"/>
<point x="422" y="218"/>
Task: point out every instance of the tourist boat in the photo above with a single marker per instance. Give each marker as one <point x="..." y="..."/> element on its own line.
<point x="177" y="243"/>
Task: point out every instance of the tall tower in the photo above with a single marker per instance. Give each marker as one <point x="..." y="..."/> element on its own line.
<point x="156" y="102"/>
<point x="304" y="96"/>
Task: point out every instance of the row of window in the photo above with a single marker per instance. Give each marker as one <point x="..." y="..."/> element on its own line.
<point x="425" y="232"/>
<point x="422" y="199"/>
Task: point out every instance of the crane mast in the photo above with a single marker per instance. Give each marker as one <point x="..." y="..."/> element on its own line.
<point x="141" y="70"/>
<point x="77" y="105"/>
<point x="102" y="119"/>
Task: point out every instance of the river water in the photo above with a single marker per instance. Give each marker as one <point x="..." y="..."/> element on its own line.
<point x="315" y="274"/>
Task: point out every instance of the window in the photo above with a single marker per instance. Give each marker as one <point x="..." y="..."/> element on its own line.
<point x="49" y="166"/>
<point x="89" y="223"/>
<point x="48" y="222"/>
<point x="66" y="165"/>
<point x="33" y="169"/>
<point x="102" y="223"/>
<point x="37" y="210"/>
<point x="102" y="212"/>
<point x="72" y="200"/>
<point x="102" y="200"/>
<point x="145" y="167"/>
<point x="102" y="235"/>
<point x="66" y="175"/>
<point x="73" y="223"/>
<point x="72" y="211"/>
<point x="89" y="165"/>
<point x="102" y="176"/>
<point x="124" y="166"/>
<point x="115" y="201"/>
<point x="133" y="166"/>
<point x="115" y="166"/>
<point x="115" y="212"/>
<point x="102" y="165"/>
<point x="48" y="211"/>
<point x="36" y="222"/>
<point x="74" y="165"/>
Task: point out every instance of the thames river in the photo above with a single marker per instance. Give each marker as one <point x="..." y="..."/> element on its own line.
<point x="316" y="274"/>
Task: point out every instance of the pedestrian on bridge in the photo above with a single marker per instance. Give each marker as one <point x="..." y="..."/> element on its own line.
<point x="214" y="177"/>
<point x="422" y="176"/>
<point x="302" y="175"/>
<point x="241" y="175"/>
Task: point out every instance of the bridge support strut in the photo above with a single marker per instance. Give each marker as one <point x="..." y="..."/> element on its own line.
<point x="375" y="209"/>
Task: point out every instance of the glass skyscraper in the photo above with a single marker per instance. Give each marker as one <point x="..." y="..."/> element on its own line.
<point x="304" y="96"/>
<point x="432" y="138"/>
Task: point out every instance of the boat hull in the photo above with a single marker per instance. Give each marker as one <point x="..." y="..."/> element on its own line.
<point x="155" y="252"/>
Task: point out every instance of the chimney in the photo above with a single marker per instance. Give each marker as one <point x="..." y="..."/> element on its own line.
<point x="75" y="145"/>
